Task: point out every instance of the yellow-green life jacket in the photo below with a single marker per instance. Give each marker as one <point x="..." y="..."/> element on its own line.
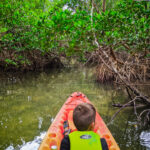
<point x="84" y="140"/>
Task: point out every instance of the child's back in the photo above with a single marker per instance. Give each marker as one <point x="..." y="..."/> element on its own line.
<point x="84" y="139"/>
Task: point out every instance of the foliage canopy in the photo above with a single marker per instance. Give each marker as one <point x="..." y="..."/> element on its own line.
<point x="64" y="27"/>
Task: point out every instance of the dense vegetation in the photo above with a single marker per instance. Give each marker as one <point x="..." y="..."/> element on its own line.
<point x="35" y="33"/>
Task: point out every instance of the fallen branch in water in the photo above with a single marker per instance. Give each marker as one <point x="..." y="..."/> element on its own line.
<point x="123" y="106"/>
<point x="147" y="110"/>
<point x="129" y="105"/>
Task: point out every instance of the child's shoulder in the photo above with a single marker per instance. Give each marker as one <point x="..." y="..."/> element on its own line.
<point x="65" y="143"/>
<point x="104" y="144"/>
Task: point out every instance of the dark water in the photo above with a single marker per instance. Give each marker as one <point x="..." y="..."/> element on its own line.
<point x="29" y="103"/>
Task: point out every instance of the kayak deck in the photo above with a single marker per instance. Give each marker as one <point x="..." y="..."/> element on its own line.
<point x="54" y="134"/>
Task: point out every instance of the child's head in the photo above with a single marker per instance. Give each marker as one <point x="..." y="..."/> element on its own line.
<point x="83" y="116"/>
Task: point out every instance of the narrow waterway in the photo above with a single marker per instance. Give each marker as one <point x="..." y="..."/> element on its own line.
<point x="29" y="103"/>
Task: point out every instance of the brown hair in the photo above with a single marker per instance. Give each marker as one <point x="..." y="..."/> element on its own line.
<point x="83" y="115"/>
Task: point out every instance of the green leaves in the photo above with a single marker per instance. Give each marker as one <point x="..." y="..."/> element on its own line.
<point x="49" y="28"/>
<point x="10" y="62"/>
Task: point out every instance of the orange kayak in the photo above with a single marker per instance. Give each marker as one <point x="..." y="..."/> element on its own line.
<point x="55" y="132"/>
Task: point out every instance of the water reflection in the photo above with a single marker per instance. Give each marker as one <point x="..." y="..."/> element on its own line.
<point x="145" y="139"/>
<point x="29" y="104"/>
<point x="40" y="122"/>
<point x="32" y="145"/>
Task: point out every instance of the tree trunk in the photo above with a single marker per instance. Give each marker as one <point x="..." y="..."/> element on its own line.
<point x="104" y="5"/>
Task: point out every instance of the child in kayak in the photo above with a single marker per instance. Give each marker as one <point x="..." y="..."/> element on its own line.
<point x="84" y="139"/>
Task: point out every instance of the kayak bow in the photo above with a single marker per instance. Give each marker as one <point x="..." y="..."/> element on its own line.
<point x="55" y="132"/>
